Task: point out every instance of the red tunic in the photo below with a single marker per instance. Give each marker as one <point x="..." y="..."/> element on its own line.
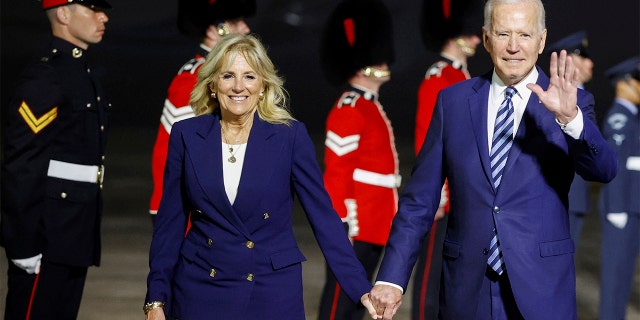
<point x="176" y="108"/>
<point x="361" y="162"/>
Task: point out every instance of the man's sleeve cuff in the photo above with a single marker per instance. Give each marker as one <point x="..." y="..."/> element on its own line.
<point x="390" y="284"/>
<point x="574" y="127"/>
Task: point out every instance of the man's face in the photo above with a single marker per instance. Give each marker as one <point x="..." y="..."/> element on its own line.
<point x="86" y="25"/>
<point x="585" y="67"/>
<point x="237" y="26"/>
<point x="514" y="40"/>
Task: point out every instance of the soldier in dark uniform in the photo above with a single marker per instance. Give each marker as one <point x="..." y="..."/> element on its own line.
<point x="54" y="146"/>
<point x="619" y="199"/>
<point x="576" y="45"/>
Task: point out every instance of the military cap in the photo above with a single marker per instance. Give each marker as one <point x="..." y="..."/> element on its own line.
<point x="448" y="19"/>
<point x="358" y="33"/>
<point x="100" y="4"/>
<point x="624" y="69"/>
<point x="195" y="16"/>
<point x="575" y="43"/>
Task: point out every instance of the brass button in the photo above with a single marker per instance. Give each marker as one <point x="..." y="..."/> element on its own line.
<point x="250" y="277"/>
<point x="102" y="128"/>
<point x="209" y="242"/>
<point x="212" y="273"/>
<point x="98" y="98"/>
<point x="265" y="216"/>
<point x="63" y="195"/>
<point x="250" y="244"/>
<point x="88" y="105"/>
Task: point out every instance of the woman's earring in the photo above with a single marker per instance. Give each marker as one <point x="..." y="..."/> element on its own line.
<point x="213" y="95"/>
<point x="261" y="95"/>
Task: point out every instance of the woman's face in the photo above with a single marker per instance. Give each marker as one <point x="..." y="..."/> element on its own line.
<point x="238" y="89"/>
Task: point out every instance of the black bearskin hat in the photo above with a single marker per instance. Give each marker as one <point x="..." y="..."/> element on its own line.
<point x="358" y="34"/>
<point x="195" y="16"/>
<point x="447" y="19"/>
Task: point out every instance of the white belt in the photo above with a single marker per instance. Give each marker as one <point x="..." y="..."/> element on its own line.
<point x="75" y="172"/>
<point x="377" y="179"/>
<point x="633" y="163"/>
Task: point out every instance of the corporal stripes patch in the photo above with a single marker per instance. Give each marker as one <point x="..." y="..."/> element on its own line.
<point x="37" y="124"/>
<point x="172" y="114"/>
<point x="341" y="145"/>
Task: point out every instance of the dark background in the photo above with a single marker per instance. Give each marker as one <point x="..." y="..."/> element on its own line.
<point x="142" y="50"/>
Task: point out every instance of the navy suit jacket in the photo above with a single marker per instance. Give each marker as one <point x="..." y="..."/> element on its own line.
<point x="242" y="261"/>
<point x="529" y="208"/>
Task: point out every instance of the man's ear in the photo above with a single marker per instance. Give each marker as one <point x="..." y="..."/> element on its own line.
<point x="63" y="14"/>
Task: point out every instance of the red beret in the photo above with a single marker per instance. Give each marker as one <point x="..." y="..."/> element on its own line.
<point x="101" y="4"/>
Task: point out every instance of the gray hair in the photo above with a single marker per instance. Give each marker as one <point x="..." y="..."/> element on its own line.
<point x="489" y="6"/>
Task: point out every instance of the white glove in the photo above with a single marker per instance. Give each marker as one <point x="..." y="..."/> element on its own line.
<point x="30" y="265"/>
<point x="618" y="219"/>
<point x="444" y="196"/>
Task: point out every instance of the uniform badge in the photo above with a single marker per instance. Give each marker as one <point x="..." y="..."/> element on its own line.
<point x="37" y="124"/>
<point x="617" y="121"/>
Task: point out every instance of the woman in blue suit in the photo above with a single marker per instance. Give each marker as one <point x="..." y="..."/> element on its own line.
<point x="223" y="244"/>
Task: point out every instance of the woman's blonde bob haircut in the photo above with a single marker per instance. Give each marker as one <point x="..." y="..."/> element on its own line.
<point x="272" y="107"/>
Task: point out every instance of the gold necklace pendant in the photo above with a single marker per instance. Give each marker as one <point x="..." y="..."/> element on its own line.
<point x="232" y="159"/>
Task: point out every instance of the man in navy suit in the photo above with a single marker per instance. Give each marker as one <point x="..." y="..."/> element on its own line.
<point x="511" y="212"/>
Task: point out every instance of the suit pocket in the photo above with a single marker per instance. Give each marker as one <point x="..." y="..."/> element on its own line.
<point x="556" y="248"/>
<point x="286" y="258"/>
<point x="451" y="250"/>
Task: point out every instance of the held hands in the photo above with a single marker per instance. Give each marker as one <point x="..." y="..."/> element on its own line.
<point x="561" y="97"/>
<point x="386" y="301"/>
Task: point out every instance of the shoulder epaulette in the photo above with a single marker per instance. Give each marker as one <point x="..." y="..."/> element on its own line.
<point x="348" y="98"/>
<point x="192" y="65"/>
<point x="435" y="69"/>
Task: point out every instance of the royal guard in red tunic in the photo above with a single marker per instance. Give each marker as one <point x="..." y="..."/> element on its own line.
<point x="208" y="21"/>
<point x="361" y="162"/>
<point x="450" y="28"/>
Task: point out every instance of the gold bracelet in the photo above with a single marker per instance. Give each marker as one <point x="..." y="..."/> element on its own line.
<point x="152" y="305"/>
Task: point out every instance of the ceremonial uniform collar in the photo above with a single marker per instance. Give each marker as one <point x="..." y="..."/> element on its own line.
<point x="66" y="49"/>
<point x="453" y="62"/>
<point x="366" y="94"/>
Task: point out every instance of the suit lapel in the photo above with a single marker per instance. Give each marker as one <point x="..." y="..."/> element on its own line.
<point x="534" y="110"/>
<point x="259" y="164"/>
<point x="478" y="109"/>
<point x="205" y="152"/>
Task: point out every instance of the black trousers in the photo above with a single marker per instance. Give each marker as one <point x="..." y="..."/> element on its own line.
<point x="53" y="294"/>
<point x="335" y="304"/>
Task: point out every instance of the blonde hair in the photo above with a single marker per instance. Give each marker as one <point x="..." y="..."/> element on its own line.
<point x="272" y="107"/>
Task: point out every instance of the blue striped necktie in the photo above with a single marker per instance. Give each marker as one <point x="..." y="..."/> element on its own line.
<point x="501" y="143"/>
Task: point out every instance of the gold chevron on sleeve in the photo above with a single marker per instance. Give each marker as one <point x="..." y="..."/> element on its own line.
<point x="37" y="124"/>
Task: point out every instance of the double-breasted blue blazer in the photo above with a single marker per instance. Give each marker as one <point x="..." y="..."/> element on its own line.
<point x="242" y="261"/>
<point x="529" y="209"/>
